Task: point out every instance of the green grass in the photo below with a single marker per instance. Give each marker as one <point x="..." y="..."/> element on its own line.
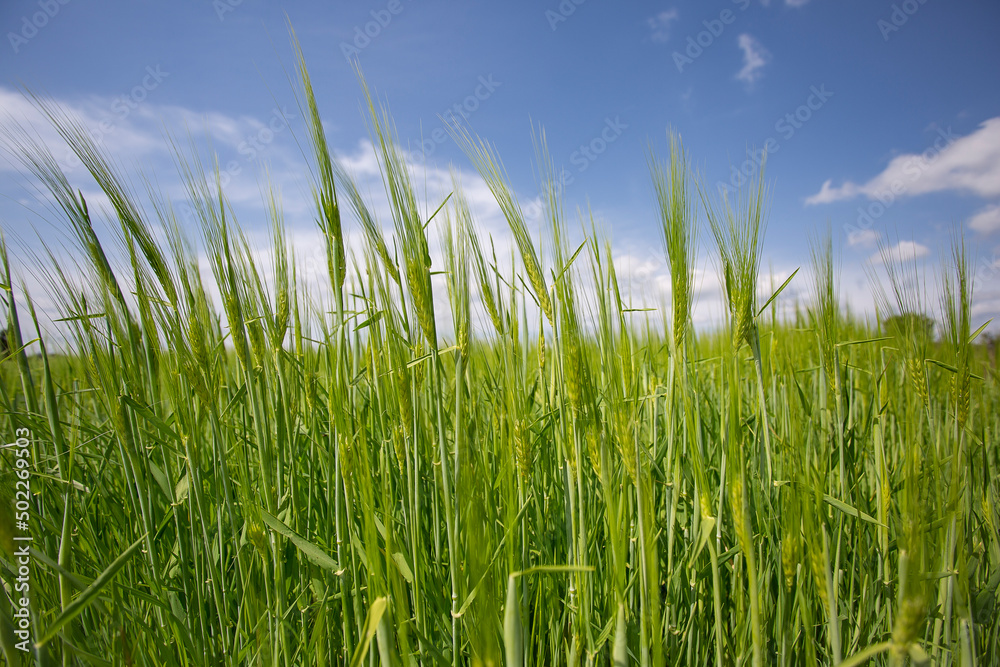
<point x="292" y="478"/>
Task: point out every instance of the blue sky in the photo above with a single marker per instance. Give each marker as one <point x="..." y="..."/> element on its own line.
<point x="882" y="118"/>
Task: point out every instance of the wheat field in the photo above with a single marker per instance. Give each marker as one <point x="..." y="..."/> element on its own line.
<point x="365" y="475"/>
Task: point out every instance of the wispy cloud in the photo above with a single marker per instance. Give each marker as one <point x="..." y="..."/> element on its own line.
<point x="755" y="57"/>
<point x="904" y="251"/>
<point x="796" y="3"/>
<point x="661" y="23"/>
<point x="969" y="164"/>
<point x="987" y="220"/>
<point x="862" y="238"/>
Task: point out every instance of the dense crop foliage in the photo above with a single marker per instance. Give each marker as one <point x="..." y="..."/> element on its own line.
<point x="294" y="478"/>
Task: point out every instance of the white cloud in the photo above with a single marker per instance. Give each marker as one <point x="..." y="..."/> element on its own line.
<point x="755" y="57"/>
<point x="661" y="23"/>
<point x="987" y="220"/>
<point x="863" y="238"/>
<point x="828" y="194"/>
<point x="968" y="164"/>
<point x="134" y="137"/>
<point x="904" y="251"/>
<point x="138" y="139"/>
<point x="110" y="124"/>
